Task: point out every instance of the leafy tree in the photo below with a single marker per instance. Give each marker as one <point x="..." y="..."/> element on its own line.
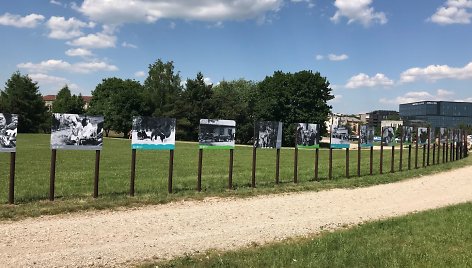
<point x="162" y="89"/>
<point x="21" y="96"/>
<point x="234" y="100"/>
<point x="65" y="102"/>
<point x="293" y="98"/>
<point x="77" y="105"/>
<point x="196" y="103"/>
<point x="118" y="101"/>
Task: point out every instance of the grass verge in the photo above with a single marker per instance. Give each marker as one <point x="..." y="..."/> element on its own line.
<point x="435" y="238"/>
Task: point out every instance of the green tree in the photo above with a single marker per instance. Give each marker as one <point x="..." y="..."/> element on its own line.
<point x="118" y="101"/>
<point x="21" y="96"/>
<point x="162" y="89"/>
<point x="196" y="103"/>
<point x="65" y="102"/>
<point x="293" y="98"/>
<point x="234" y="100"/>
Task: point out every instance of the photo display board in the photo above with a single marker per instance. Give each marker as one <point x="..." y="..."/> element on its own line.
<point x="8" y="131"/>
<point x="216" y="134"/>
<point x="308" y="136"/>
<point x="339" y="137"/>
<point x="152" y="133"/>
<point x="366" y="136"/>
<point x="408" y="135"/>
<point x="443" y="135"/>
<point x="268" y="134"/>
<point x="422" y="135"/>
<point x="76" y="132"/>
<point x="388" y="136"/>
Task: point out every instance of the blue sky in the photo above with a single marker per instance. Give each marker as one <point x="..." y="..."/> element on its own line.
<point x="376" y="54"/>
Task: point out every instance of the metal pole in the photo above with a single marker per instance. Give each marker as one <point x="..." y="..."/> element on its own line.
<point x="317" y="154"/>
<point x="401" y="149"/>
<point x="295" y="160"/>
<point x="381" y="151"/>
<point x="11" y="192"/>
<point x="409" y="156"/>
<point x="199" y="176"/>
<point x="97" y="172"/>
<point x="416" y="149"/>
<point x="253" y="179"/>
<point x="429" y="144"/>
<point x="277" y="167"/>
<point x="371" y="160"/>
<point x="392" y="166"/>
<point x="133" y="172"/>
<point x="359" y="156"/>
<point x="330" y="169"/>
<point x="347" y="162"/>
<point x="424" y="155"/>
<point x="52" y="175"/>
<point x="230" y="175"/>
<point x="171" y="171"/>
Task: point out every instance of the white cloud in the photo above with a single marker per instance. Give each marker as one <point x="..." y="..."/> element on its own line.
<point x="52" y="84"/>
<point x="453" y="12"/>
<point x="334" y="57"/>
<point x="436" y="72"/>
<point x="140" y="74"/>
<point x="97" y="40"/>
<point x="172" y="25"/>
<point x="128" y="45"/>
<point x="309" y="2"/>
<point x="29" y="21"/>
<point x="54" y="2"/>
<point x="363" y="80"/>
<point x="208" y="81"/>
<point x="79" y="52"/>
<point x="415" y="96"/>
<point x="60" y="65"/>
<point x="319" y="57"/>
<point x="337" y="99"/>
<point x="358" y="11"/>
<point x="125" y="11"/>
<point x="66" y="29"/>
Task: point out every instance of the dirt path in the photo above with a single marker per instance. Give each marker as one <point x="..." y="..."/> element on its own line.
<point x="121" y="238"/>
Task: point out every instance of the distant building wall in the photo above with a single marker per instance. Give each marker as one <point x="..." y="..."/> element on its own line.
<point x="438" y="113"/>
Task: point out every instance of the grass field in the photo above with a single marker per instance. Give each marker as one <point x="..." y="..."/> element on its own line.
<point x="75" y="170"/>
<point x="436" y="238"/>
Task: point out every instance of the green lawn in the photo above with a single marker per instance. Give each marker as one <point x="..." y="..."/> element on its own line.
<point x="436" y="238"/>
<point x="75" y="170"/>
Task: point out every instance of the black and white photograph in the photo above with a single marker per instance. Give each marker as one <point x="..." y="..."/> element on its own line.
<point x="307" y="135"/>
<point x="443" y="135"/>
<point x="388" y="136"/>
<point x="340" y="137"/>
<point x="422" y="135"/>
<point x="152" y="133"/>
<point x="217" y="134"/>
<point x="8" y="131"/>
<point x="268" y="134"/>
<point x="366" y="136"/>
<point x="76" y="132"/>
<point x="408" y="135"/>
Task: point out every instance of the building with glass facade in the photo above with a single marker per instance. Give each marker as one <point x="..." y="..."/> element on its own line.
<point x="438" y="113"/>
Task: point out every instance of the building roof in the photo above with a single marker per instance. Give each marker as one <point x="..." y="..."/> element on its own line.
<point x="86" y="99"/>
<point x="49" y="98"/>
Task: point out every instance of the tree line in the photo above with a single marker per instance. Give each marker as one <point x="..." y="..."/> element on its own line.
<point x="287" y="97"/>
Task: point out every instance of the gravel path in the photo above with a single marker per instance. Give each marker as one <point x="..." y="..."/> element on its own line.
<point x="125" y="237"/>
